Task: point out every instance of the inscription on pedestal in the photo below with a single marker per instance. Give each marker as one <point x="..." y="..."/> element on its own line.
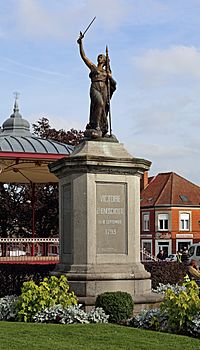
<point x="111" y="218"/>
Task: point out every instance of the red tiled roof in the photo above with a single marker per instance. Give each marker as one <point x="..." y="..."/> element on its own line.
<point x="170" y="189"/>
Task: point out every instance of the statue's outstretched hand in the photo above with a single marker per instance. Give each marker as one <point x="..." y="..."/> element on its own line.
<point x="81" y="36"/>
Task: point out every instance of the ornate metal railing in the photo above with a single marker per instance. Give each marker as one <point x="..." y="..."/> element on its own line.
<point x="29" y="249"/>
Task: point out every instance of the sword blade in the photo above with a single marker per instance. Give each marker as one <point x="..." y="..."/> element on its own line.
<point x="89" y="26"/>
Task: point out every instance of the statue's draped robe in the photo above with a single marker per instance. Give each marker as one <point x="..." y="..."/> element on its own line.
<point x="99" y="106"/>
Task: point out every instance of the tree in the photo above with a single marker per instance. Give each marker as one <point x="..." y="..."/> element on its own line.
<point x="15" y="210"/>
<point x="43" y="129"/>
<point x="46" y="214"/>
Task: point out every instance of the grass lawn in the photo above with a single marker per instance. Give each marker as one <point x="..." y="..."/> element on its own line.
<point x="17" y="336"/>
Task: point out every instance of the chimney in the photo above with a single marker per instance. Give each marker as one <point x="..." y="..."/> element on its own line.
<point x="144" y="181"/>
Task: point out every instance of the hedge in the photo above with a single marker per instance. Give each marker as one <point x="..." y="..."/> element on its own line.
<point x="165" y="272"/>
<point x="12" y="276"/>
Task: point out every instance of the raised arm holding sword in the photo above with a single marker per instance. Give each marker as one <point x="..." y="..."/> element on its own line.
<point x="101" y="90"/>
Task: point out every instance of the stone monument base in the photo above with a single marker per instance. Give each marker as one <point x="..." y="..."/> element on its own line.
<point x="88" y="282"/>
<point x="100" y="221"/>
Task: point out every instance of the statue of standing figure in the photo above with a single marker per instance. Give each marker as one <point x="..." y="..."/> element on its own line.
<point x="101" y="91"/>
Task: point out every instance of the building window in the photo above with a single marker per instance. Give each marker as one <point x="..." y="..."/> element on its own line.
<point x="163" y="222"/>
<point x="165" y="246"/>
<point x="184" y="221"/>
<point x="183" y="244"/>
<point x="146" y="222"/>
<point x="146" y="252"/>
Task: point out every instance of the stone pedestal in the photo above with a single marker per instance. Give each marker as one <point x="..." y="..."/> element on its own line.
<point x="100" y="221"/>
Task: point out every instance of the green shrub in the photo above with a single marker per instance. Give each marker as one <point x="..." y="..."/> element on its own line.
<point x="49" y="292"/>
<point x="118" y="305"/>
<point x="181" y="308"/>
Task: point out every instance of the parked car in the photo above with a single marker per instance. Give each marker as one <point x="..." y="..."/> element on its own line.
<point x="194" y="252"/>
<point x="171" y="257"/>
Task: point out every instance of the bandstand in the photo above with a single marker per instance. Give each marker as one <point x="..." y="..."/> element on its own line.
<point x="24" y="159"/>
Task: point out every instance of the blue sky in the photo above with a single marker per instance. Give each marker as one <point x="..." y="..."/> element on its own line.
<point x="154" y="49"/>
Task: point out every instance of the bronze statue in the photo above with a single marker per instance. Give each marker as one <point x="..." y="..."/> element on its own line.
<point x="101" y="90"/>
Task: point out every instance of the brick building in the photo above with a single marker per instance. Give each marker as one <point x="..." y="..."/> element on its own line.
<point x="170" y="213"/>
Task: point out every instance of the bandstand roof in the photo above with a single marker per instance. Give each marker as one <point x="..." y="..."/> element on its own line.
<point x="24" y="157"/>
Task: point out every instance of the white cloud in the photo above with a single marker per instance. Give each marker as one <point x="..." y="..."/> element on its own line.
<point x="110" y="13"/>
<point x="159" y="151"/>
<point x="166" y="158"/>
<point x="163" y="114"/>
<point x="149" y="11"/>
<point x="34" y="68"/>
<point x="61" y="20"/>
<point x="21" y="74"/>
<point x="2" y="33"/>
<point x="177" y="61"/>
<point x="168" y="88"/>
<point x="36" y="19"/>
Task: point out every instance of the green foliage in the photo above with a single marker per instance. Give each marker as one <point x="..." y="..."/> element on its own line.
<point x="44" y="130"/>
<point x="181" y="307"/>
<point x="49" y="292"/>
<point x="118" y="305"/>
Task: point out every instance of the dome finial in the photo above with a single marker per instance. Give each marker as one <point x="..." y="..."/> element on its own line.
<point x="16" y="125"/>
<point x="16" y="95"/>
